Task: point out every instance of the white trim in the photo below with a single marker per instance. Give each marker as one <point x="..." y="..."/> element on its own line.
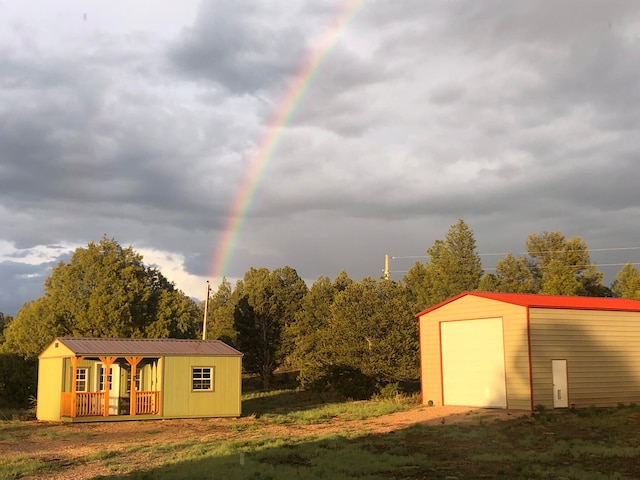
<point x="199" y="383"/>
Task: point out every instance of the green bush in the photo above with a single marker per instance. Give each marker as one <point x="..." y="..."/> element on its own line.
<point x="346" y="381"/>
<point x="389" y="391"/>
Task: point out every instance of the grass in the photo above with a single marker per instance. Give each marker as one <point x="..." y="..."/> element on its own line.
<point x="562" y="447"/>
<point x="327" y="412"/>
<point x="584" y="444"/>
<point x="23" y="466"/>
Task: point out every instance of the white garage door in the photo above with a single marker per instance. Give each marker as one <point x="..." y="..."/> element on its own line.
<point x="473" y="363"/>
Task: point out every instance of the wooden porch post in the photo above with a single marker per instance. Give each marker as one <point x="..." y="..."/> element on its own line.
<point x="108" y="361"/>
<point x="134" y="361"/>
<point x="75" y="361"/>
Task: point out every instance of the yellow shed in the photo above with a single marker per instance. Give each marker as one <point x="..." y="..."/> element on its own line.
<point x="95" y="379"/>
<point x="518" y="351"/>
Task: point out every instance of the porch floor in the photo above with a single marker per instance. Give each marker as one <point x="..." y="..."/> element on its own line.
<point x="110" y="418"/>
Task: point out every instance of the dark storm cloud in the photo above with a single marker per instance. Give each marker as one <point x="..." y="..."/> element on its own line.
<point x="86" y="144"/>
<point x="340" y="99"/>
<point x="20" y="283"/>
<point x="517" y="117"/>
<point x="243" y="46"/>
<point x="199" y="263"/>
<point x="581" y="52"/>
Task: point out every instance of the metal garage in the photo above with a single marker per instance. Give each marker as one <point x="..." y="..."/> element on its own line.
<point x="517" y="351"/>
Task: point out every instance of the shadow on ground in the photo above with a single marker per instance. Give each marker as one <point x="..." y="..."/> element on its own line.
<point x="564" y="445"/>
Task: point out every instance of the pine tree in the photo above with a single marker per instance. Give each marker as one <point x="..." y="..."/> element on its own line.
<point x="627" y="283"/>
<point x="104" y="291"/>
<point x="563" y="267"/>
<point x="454" y="266"/>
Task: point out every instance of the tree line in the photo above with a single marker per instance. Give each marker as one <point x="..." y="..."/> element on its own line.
<point x="351" y="337"/>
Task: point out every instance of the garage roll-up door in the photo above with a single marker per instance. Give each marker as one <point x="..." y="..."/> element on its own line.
<point x="473" y="363"/>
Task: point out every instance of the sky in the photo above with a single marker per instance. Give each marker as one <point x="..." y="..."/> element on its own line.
<point x="150" y="121"/>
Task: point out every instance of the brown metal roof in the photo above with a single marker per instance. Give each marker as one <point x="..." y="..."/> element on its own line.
<point x="146" y="346"/>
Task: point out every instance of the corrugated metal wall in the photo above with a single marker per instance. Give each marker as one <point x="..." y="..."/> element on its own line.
<point x="515" y="346"/>
<point x="602" y="349"/>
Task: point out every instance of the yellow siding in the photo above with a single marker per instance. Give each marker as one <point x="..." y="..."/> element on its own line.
<point x="515" y="346"/>
<point x="49" y="388"/>
<point x="56" y="350"/>
<point x="180" y="401"/>
<point x="602" y="350"/>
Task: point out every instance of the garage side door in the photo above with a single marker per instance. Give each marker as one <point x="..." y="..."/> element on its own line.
<point x="473" y="363"/>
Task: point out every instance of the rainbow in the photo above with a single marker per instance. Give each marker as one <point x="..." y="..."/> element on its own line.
<point x="271" y="138"/>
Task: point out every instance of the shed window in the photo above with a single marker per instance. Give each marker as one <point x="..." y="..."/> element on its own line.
<point x="138" y="381"/>
<point x="201" y="379"/>
<point x="102" y="380"/>
<point x="81" y="379"/>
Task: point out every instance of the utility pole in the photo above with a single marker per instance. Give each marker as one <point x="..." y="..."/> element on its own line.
<point x="206" y="307"/>
<point x="387" y="275"/>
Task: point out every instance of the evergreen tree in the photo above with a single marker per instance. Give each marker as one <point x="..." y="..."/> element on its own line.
<point x="34" y="327"/>
<point x="267" y="302"/>
<point x="4" y="321"/>
<point x="220" y="314"/>
<point x="563" y="267"/>
<point x="489" y="283"/>
<point x="289" y="291"/>
<point x="514" y="275"/>
<point x="310" y="321"/>
<point x="627" y="283"/>
<point x="370" y="337"/>
<point x="454" y="267"/>
<point x="310" y="331"/>
<point x="417" y="282"/>
<point x="104" y="291"/>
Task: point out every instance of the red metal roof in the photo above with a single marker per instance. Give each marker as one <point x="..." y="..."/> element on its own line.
<point x="550" y="301"/>
<point x="146" y="346"/>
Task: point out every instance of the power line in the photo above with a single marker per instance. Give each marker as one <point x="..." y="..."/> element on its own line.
<point x="572" y="266"/>
<point x="589" y="265"/>
<point x="387" y="272"/>
<point x="608" y="249"/>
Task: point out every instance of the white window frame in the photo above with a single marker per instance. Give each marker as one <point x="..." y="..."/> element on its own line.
<point x="100" y="381"/>
<point x="80" y="373"/>
<point x="138" y="381"/>
<point x="202" y="379"/>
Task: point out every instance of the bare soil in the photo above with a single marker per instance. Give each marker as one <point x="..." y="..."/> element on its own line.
<point x="69" y="445"/>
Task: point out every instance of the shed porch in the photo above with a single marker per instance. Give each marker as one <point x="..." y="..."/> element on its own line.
<point x="90" y="393"/>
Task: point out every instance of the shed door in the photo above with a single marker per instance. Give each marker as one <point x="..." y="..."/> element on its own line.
<point x="473" y="371"/>
<point x="114" y="385"/>
<point x="560" y="390"/>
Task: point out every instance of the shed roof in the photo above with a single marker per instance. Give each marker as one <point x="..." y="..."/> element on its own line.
<point x="146" y="346"/>
<point x="550" y="301"/>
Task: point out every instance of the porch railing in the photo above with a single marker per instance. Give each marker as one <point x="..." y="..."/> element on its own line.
<point x="91" y="404"/>
<point x="147" y="403"/>
<point x="88" y="404"/>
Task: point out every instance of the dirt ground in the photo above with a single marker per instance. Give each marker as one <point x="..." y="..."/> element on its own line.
<point x="68" y="444"/>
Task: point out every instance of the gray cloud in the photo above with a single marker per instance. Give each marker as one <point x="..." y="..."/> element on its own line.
<point x="242" y="46"/>
<point x="519" y="118"/>
<point x="21" y="283"/>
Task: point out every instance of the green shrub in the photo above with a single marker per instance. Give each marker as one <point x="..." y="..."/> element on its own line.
<point x="388" y="392"/>
<point x="346" y="381"/>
